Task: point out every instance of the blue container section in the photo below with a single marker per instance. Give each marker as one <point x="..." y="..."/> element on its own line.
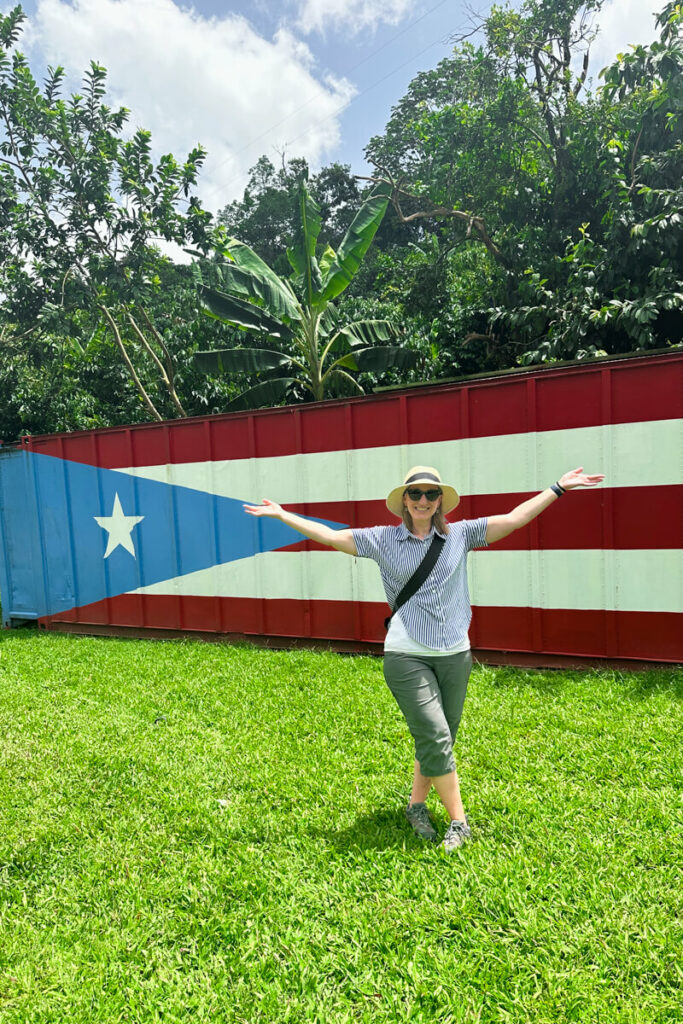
<point x="72" y="534"/>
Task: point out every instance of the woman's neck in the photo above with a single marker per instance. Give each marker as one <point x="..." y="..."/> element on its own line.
<point x="421" y="530"/>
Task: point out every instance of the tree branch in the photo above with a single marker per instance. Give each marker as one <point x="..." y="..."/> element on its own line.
<point x="472" y="221"/>
<point x="126" y="358"/>
<point x="633" y="158"/>
<point x="475" y="336"/>
<point x="164" y="375"/>
<point x="543" y="96"/>
<point x="539" y="138"/>
<point x="582" y="77"/>
<point x="170" y="369"/>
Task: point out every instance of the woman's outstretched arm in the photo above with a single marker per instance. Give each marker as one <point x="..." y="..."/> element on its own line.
<point x="500" y="526"/>
<point x="342" y="540"/>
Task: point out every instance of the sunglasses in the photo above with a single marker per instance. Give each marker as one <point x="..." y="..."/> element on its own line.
<point x="414" y="493"/>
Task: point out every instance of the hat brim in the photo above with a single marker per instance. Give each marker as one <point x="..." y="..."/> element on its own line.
<point x="449" y="501"/>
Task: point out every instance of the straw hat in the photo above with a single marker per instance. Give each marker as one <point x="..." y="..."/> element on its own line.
<point x="425" y="476"/>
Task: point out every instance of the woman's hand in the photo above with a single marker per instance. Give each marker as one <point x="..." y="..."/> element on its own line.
<point x="577" y="478"/>
<point x="342" y="540"/>
<point x="268" y="508"/>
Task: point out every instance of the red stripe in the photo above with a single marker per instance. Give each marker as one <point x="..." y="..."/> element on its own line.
<point x="641" y="517"/>
<point x="654" y="636"/>
<point x="624" y="391"/>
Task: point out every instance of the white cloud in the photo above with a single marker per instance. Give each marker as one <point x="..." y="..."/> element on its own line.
<point x="622" y="22"/>
<point x="191" y="79"/>
<point x="351" y="15"/>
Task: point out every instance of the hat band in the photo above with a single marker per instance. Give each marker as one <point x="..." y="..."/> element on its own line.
<point x="421" y="476"/>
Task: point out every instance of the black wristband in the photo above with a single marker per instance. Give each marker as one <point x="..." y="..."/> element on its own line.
<point x="557" y="489"/>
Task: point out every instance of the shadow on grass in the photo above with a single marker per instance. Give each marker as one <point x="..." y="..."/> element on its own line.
<point x="26" y="632"/>
<point x="383" y="829"/>
<point x="635" y="685"/>
<point x="647" y="684"/>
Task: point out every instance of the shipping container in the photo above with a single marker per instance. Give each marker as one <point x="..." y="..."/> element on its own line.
<point x="141" y="529"/>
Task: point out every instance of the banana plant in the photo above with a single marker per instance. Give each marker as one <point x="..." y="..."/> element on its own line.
<point x="303" y="339"/>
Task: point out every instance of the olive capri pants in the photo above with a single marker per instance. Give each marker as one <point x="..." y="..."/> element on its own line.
<point x="430" y="691"/>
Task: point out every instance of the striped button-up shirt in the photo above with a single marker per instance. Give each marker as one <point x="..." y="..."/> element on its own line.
<point x="439" y="614"/>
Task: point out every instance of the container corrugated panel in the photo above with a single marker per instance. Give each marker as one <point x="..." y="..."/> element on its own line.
<point x="142" y="527"/>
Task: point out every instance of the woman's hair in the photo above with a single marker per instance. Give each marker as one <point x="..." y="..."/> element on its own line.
<point x="438" y="520"/>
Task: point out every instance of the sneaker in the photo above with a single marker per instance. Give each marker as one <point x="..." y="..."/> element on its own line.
<point x="418" y="816"/>
<point x="457" y="833"/>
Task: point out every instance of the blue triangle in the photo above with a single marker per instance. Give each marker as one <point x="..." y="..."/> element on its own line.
<point x="59" y="561"/>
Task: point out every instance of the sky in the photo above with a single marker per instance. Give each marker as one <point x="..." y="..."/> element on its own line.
<point x="311" y="78"/>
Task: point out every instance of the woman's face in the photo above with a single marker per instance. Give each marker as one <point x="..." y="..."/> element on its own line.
<point x="421" y="509"/>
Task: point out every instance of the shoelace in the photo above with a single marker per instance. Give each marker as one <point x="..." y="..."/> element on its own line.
<point x="457" y="828"/>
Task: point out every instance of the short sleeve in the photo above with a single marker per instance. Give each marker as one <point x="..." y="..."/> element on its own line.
<point x="369" y="541"/>
<point x="475" y="532"/>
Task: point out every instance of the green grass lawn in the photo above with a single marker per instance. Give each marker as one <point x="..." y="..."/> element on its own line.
<point x="200" y="833"/>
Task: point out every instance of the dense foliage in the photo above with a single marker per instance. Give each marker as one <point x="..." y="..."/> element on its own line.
<point x="88" y="299"/>
<point x="318" y="351"/>
<point x="619" y="284"/>
<point x="566" y="195"/>
<point x="266" y="218"/>
<point x="535" y="215"/>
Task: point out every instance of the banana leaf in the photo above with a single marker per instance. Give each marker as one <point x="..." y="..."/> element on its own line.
<point x="342" y="270"/>
<point x="270" y="393"/>
<point x="328" y="321"/>
<point x="342" y="384"/>
<point x="244" y="315"/>
<point x="301" y="254"/>
<point x="367" y="332"/>
<point x="240" y="360"/>
<point x="326" y="260"/>
<point x="250" y="278"/>
<point x="378" y="359"/>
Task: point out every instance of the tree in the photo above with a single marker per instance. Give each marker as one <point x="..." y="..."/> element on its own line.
<point x="572" y="200"/>
<point x="623" y="286"/>
<point x="495" y="137"/>
<point x="498" y="148"/>
<point x="266" y="216"/>
<point x="77" y="381"/>
<point x="316" y="349"/>
<point x="82" y="210"/>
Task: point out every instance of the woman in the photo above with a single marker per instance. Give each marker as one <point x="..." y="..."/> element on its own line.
<point x="427" y="659"/>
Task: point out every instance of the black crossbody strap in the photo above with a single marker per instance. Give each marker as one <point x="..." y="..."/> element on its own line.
<point x="419" y="576"/>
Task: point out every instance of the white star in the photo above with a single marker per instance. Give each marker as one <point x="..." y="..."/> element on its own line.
<point x="119" y="528"/>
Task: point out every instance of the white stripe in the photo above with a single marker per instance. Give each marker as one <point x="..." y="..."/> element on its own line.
<point x="645" y="454"/>
<point x="638" y="580"/>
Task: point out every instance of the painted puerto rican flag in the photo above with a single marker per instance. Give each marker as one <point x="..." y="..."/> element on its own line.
<point x="143" y="526"/>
